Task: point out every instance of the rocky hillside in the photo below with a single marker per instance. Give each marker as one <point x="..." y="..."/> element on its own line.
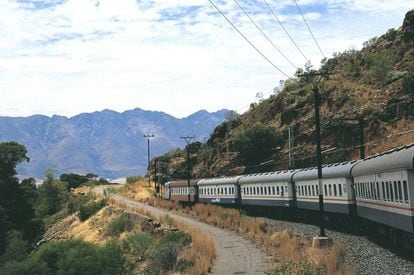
<point x="107" y="143"/>
<point x="375" y="84"/>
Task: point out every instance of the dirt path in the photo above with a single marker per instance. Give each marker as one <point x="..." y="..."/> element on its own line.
<point x="235" y="255"/>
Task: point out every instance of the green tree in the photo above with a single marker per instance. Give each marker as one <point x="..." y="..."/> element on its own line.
<point x="53" y="195"/>
<point x="256" y="144"/>
<point x="74" y="180"/>
<point x="16" y="210"/>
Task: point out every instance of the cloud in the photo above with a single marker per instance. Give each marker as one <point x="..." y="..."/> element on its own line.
<point x="177" y="56"/>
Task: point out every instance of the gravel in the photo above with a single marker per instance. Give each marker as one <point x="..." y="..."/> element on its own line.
<point x="368" y="257"/>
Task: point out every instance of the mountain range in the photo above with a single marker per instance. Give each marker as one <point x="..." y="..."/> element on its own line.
<point x="107" y="143"/>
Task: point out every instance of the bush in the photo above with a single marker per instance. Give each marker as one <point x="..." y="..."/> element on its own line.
<point x="183" y="265"/>
<point x="120" y="224"/>
<point x="163" y="259"/>
<point x="90" y="208"/>
<point x="135" y="248"/>
<point x="179" y="237"/>
<point x="70" y="257"/>
<point x="75" y="203"/>
<point x="380" y="64"/>
<point x="16" y="247"/>
<point x="408" y="84"/>
<point x="137" y="244"/>
<point x="133" y="179"/>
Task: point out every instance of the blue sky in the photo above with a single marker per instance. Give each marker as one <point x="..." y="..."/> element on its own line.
<point x="177" y="56"/>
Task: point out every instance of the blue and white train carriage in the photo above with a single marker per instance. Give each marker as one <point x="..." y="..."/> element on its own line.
<point x="223" y="190"/>
<point x="268" y="189"/>
<point x="384" y="186"/>
<point x="337" y="188"/>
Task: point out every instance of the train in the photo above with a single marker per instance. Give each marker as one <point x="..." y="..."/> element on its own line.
<point x="378" y="191"/>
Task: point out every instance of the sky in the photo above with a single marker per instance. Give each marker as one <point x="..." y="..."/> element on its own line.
<point x="67" y="57"/>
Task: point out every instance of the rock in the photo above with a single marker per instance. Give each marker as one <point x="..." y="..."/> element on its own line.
<point x="408" y="27"/>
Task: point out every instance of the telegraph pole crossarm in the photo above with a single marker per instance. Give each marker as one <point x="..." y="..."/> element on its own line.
<point x="188" y="140"/>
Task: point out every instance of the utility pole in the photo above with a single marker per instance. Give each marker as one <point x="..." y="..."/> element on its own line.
<point x="188" y="140"/>
<point x="148" y="137"/>
<point x="315" y="90"/>
<point x="156" y="182"/>
<point x="321" y="239"/>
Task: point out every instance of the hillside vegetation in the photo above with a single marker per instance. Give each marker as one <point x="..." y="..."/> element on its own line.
<point x="375" y="84"/>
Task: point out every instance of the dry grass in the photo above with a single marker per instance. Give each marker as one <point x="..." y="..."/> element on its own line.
<point x="139" y="190"/>
<point x="202" y="252"/>
<point x="290" y="254"/>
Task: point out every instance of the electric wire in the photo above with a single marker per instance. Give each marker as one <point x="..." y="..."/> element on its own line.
<point x="285" y="30"/>
<point x="245" y="38"/>
<point x="307" y="25"/>
<point x="268" y="39"/>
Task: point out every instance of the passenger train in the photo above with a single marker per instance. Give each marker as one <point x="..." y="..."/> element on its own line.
<point x="378" y="190"/>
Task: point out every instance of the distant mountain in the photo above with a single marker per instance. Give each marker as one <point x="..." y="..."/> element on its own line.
<point x="107" y="143"/>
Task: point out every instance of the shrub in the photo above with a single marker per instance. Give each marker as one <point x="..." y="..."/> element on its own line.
<point x="75" y="203"/>
<point x="70" y="257"/>
<point x="163" y="259"/>
<point x="137" y="244"/>
<point x="120" y="224"/>
<point x="179" y="237"/>
<point x="133" y="179"/>
<point x="90" y="208"/>
<point x="16" y="247"/>
<point x="183" y="265"/>
<point x="380" y="65"/>
<point x="408" y="84"/>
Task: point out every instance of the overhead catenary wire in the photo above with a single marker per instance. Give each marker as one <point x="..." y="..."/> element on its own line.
<point x="285" y="30"/>
<point x="267" y="38"/>
<point x="307" y="25"/>
<point x="248" y="41"/>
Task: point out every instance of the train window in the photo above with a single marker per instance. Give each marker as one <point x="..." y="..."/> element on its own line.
<point x="265" y="190"/>
<point x="330" y="190"/>
<point x="326" y="190"/>
<point x="400" y="191"/>
<point x="251" y="190"/>
<point x="273" y="190"/>
<point x="268" y="190"/>
<point x="378" y="191"/>
<point x="388" y="190"/>
<point x="397" y="198"/>
<point x="317" y="189"/>
<point x="277" y="190"/>
<point x="309" y="190"/>
<point x="225" y="190"/>
<point x="232" y="190"/>
<point x="371" y="193"/>
<point x="313" y="190"/>
<point x="383" y="191"/>
<point x="261" y="190"/>
<point x="405" y="191"/>
<point x="334" y="188"/>
<point x="286" y="189"/>
<point x="340" y="190"/>
<point x="391" y="192"/>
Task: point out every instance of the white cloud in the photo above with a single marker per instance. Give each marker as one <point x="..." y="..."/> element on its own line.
<point x="176" y="56"/>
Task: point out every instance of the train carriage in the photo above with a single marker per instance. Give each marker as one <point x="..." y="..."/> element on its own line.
<point x="384" y="186"/>
<point x="268" y="189"/>
<point x="223" y="190"/>
<point x="179" y="190"/>
<point x="337" y="188"/>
